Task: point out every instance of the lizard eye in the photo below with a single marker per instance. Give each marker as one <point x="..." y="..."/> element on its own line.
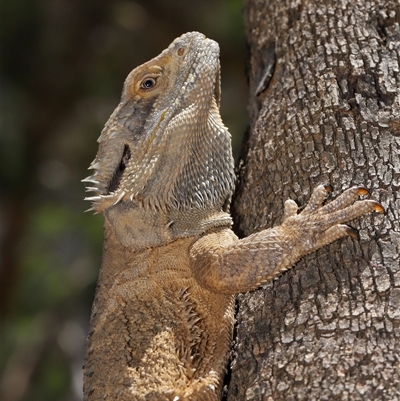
<point x="148" y="83"/>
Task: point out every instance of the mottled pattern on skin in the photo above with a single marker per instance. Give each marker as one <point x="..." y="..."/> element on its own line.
<point x="162" y="319"/>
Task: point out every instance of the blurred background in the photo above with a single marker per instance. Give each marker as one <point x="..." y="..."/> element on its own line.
<point x="63" y="66"/>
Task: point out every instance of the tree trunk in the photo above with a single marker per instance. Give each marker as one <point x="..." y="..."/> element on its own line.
<point x="324" y="108"/>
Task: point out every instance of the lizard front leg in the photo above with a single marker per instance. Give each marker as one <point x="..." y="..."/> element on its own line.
<point x="223" y="263"/>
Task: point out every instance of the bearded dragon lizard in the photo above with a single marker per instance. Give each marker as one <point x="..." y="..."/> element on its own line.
<point x="162" y="319"/>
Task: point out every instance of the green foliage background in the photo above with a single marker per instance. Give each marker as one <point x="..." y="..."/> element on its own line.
<point x="63" y="65"/>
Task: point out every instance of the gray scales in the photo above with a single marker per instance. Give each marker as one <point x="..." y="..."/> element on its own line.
<point x="162" y="319"/>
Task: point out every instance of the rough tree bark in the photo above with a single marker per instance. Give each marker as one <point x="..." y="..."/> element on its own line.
<point x="324" y="108"/>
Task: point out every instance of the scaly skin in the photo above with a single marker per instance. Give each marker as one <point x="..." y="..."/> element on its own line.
<point x="162" y="318"/>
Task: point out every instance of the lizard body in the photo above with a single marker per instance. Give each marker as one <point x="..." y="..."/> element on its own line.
<point x="162" y="318"/>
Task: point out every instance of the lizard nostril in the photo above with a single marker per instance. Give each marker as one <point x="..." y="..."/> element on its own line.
<point x="180" y="51"/>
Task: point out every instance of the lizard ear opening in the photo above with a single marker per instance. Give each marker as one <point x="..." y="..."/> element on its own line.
<point x="116" y="178"/>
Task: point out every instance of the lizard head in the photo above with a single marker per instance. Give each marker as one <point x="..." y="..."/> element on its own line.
<point x="165" y="145"/>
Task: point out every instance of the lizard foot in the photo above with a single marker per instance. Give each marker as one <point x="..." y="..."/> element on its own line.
<point x="319" y="225"/>
<point x="229" y="266"/>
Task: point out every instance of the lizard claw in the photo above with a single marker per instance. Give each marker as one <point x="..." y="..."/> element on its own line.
<point x="378" y="207"/>
<point x="362" y="191"/>
<point x="353" y="232"/>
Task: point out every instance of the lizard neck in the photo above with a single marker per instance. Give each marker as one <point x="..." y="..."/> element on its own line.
<point x="137" y="228"/>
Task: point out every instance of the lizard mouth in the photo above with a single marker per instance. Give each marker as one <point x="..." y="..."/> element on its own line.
<point x="116" y="178"/>
<point x="105" y="192"/>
